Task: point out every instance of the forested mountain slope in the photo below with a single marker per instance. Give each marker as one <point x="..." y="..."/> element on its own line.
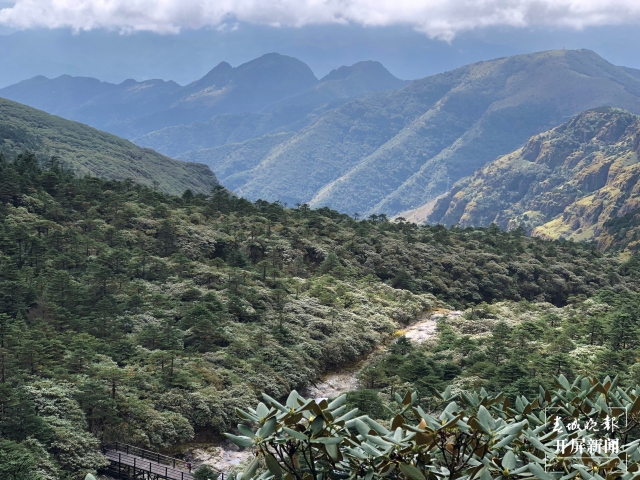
<point x="127" y="314"/>
<point x="390" y="153"/>
<point x="574" y="181"/>
<point x="91" y="152"/>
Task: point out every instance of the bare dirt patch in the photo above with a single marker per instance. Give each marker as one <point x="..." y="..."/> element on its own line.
<point x="337" y="383"/>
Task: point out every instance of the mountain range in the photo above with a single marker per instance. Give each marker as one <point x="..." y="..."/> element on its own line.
<point x="273" y="88"/>
<point x="91" y="152"/>
<point x="357" y="140"/>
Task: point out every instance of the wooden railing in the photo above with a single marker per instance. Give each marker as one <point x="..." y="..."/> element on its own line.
<point x="157" y="458"/>
<point x="149" y="455"/>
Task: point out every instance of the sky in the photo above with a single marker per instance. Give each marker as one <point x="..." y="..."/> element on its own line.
<point x="183" y="39"/>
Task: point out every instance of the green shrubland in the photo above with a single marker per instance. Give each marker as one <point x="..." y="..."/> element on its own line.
<point x="131" y="315"/>
<point x="515" y="347"/>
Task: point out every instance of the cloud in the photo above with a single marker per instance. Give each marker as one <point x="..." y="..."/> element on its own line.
<point x="441" y="19"/>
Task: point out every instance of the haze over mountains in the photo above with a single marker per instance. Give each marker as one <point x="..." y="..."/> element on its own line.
<point x="132" y="109"/>
<point x="397" y="151"/>
<point x="358" y="140"/>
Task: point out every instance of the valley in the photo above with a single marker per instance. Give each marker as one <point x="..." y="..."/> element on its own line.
<point x="346" y="380"/>
<point x="429" y="263"/>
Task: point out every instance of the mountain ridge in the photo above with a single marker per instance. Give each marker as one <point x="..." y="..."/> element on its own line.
<point x="133" y="109"/>
<point x="384" y="151"/>
<point x="91" y="152"/>
<point x="393" y="152"/>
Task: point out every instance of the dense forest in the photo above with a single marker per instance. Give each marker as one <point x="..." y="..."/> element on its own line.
<point x="128" y="314"/>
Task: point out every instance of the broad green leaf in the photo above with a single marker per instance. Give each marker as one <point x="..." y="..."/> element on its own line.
<point x="275" y="403"/>
<point x="538" y="444"/>
<point x="486" y="475"/>
<point x="347" y="416"/>
<point x="240" y="440"/>
<point x="251" y="469"/>
<point x="338" y="402"/>
<point x="292" y="399"/>
<point x="305" y="405"/>
<point x="295" y="434"/>
<point x="334" y="452"/>
<point x="273" y="465"/>
<point x="376" y="426"/>
<point x="247" y="416"/>
<point x="363" y="428"/>
<point x="379" y="441"/>
<point x="505" y="441"/>
<point x="573" y="474"/>
<point x="370" y="449"/>
<point x="452" y="422"/>
<point x="246" y="431"/>
<point x="563" y="382"/>
<point x="317" y="425"/>
<point x="539" y="472"/>
<point x="447" y="393"/>
<point x="268" y="428"/>
<point x="484" y="417"/>
<point x="328" y="440"/>
<point x="338" y="410"/>
<point x="511" y="429"/>
<point x="262" y="411"/>
<point x="356" y="453"/>
<point x="509" y="461"/>
<point x="411" y="472"/>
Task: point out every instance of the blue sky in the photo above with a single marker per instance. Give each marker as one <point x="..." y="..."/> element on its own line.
<point x="113" y="44"/>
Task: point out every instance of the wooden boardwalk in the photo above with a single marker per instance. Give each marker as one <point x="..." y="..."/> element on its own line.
<point x="132" y="466"/>
<point x="133" y="463"/>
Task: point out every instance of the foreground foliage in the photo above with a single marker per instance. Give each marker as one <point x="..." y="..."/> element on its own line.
<point x="469" y="435"/>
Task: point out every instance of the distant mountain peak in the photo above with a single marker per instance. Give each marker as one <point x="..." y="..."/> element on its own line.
<point x="221" y="73"/>
<point x="371" y="67"/>
<point x="278" y="63"/>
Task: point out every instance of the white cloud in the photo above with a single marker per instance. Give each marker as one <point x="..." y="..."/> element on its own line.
<point x="437" y="18"/>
